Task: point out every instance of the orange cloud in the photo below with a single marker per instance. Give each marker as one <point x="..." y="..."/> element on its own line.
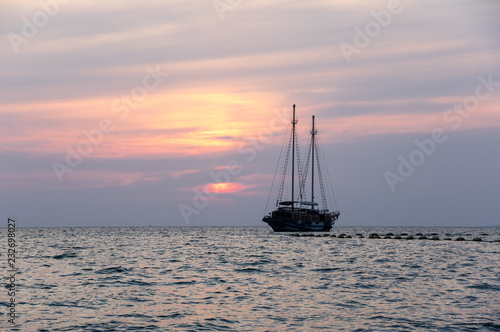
<point x="204" y="121"/>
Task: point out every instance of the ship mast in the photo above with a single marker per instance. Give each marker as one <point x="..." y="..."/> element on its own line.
<point x="294" y="122"/>
<point x="313" y="133"/>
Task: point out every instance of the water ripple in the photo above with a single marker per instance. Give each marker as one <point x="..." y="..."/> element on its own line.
<point x="251" y="279"/>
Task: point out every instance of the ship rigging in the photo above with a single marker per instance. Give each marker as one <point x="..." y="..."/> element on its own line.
<point x="298" y="213"/>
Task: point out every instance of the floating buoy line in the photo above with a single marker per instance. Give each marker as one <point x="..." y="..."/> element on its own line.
<point x="403" y="236"/>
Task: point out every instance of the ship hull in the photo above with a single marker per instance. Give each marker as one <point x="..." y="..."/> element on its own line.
<point x="287" y="225"/>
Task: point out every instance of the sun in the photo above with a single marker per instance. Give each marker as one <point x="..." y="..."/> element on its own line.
<point x="224" y="187"/>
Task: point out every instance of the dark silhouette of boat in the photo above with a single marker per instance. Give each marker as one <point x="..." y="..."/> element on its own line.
<point x="297" y="214"/>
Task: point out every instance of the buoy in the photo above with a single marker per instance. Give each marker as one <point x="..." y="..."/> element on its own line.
<point x="397" y="237"/>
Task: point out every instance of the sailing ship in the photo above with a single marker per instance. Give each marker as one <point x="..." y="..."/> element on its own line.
<point x="297" y="214"/>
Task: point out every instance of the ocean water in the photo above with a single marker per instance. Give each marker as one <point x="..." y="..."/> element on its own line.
<point x="251" y="279"/>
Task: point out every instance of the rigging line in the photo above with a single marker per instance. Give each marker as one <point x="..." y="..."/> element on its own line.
<point x="306" y="169"/>
<point x="299" y="163"/>
<point x="277" y="165"/>
<point x="328" y="175"/>
<point x="285" y="168"/>
<point x="303" y="110"/>
<point x="321" y="184"/>
<point x="329" y="180"/>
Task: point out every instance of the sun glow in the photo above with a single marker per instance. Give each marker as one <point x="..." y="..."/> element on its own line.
<point x="225" y="187"/>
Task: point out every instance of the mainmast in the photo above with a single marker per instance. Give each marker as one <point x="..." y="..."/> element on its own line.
<point x="313" y="133"/>
<point x="294" y="122"/>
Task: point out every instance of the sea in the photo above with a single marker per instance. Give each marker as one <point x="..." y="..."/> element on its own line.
<point x="252" y="279"/>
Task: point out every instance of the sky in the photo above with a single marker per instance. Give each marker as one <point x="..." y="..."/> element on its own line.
<point x="172" y="113"/>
